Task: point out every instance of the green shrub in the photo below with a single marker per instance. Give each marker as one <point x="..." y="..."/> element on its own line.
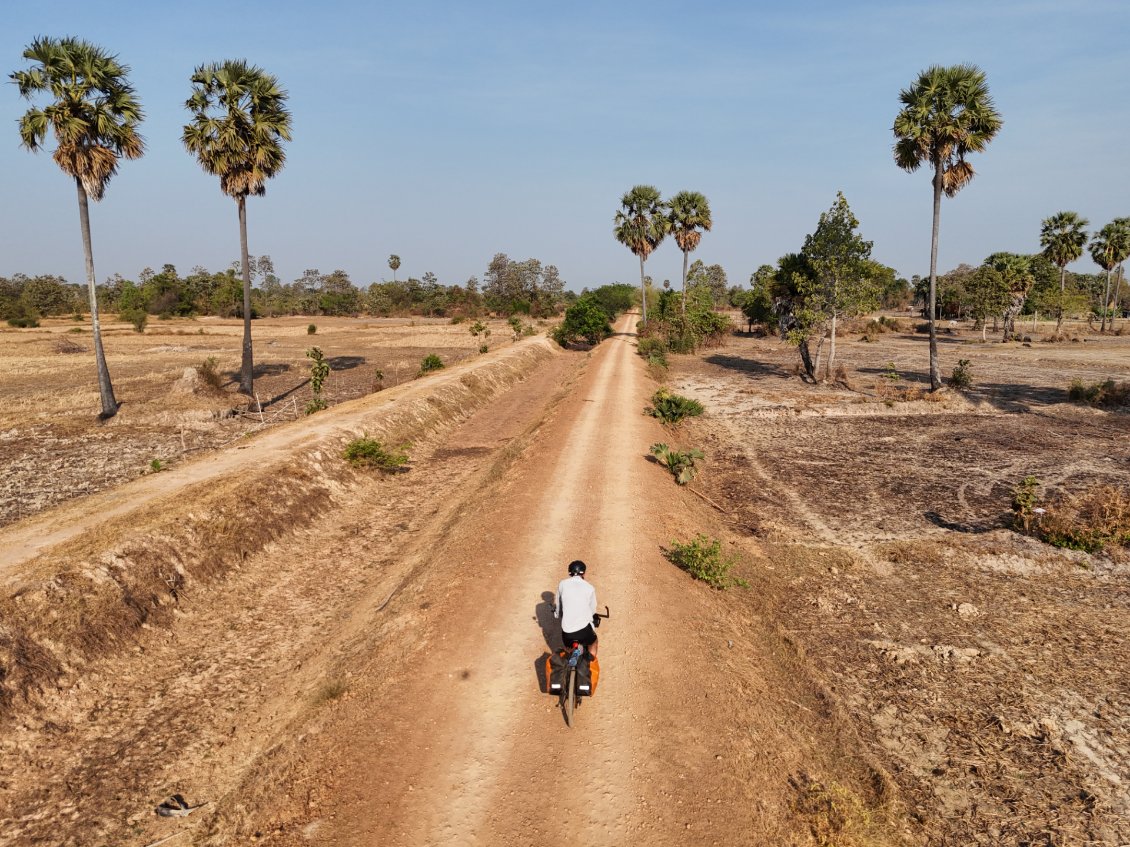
<point x="458" y="319"/>
<point x="702" y="558"/>
<point x="478" y="328"/>
<point x="484" y="348"/>
<point x="367" y="452"/>
<point x="672" y="408"/>
<point x="962" y="376"/>
<point x="1024" y="500"/>
<point x="378" y="379"/>
<point x="431" y="362"/>
<point x="319" y="370"/>
<point x="651" y="346"/>
<point x="680" y="464"/>
<point x="137" y="317"/>
<point x="586" y="320"/>
<point x="311" y="329"/>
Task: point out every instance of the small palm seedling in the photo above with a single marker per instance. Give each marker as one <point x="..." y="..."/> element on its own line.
<point x="1025" y="498"/>
<point x="962" y="376"/>
<point x="680" y="464"/>
<point x="672" y="408"/>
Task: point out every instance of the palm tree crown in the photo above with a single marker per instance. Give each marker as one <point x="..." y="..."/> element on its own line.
<point x="239" y="121"/>
<point x="640" y="225"/>
<point x="1063" y="237"/>
<point x="1104" y="247"/>
<point x="94" y="116"/>
<point x="947" y="114"/>
<point x="689" y="217"/>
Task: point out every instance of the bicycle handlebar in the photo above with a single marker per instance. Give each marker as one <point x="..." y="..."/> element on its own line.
<point x="606" y="614"/>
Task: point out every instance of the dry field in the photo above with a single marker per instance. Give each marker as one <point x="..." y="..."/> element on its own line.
<point x="52" y="447"/>
<point x="987" y="671"/>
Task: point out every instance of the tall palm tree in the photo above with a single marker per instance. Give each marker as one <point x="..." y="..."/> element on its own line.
<point x="1063" y="237"/>
<point x="947" y="114"/>
<point x="94" y="118"/>
<point x="1121" y="253"/>
<point x="641" y="226"/>
<point x="1109" y="248"/>
<point x="689" y="212"/>
<point x="239" y="121"/>
<point x="394" y="263"/>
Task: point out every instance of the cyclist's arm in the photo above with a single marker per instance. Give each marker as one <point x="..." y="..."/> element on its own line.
<point x="557" y="604"/>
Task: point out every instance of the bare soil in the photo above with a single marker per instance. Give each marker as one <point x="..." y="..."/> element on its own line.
<point x="902" y="668"/>
<point x="987" y="671"/>
<point x="53" y="448"/>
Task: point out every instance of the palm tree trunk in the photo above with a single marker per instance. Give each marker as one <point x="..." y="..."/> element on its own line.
<point x="643" y="293"/>
<point x="1062" y="295"/>
<point x="935" y="368"/>
<point x="1106" y="302"/>
<point x="247" y="368"/>
<point x="685" y="254"/>
<point x="1117" y="292"/>
<point x="105" y="388"/>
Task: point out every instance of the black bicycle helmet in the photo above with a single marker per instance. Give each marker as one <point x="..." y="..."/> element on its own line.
<point x="577" y="568"/>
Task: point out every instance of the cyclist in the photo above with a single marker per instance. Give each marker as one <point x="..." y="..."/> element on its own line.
<point x="575" y="606"/>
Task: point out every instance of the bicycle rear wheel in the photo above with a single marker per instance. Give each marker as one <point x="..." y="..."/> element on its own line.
<point x="570" y="693"/>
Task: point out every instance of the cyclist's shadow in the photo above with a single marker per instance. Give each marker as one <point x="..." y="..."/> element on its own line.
<point x="551" y="632"/>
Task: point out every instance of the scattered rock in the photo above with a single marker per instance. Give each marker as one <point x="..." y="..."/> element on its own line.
<point x="966" y="611"/>
<point x="189" y="382"/>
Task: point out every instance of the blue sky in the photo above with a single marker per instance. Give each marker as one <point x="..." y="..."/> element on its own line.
<point x="447" y="131"/>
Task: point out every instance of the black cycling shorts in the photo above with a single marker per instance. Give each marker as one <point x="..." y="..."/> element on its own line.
<point x="585" y="637"/>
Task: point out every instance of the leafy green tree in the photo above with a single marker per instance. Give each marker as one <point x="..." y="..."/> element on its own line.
<point x="986" y="295"/>
<point x="688" y="218"/>
<point x="94" y="115"/>
<point x="394" y="263"/>
<point x="842" y="282"/>
<point x="797" y="317"/>
<point x="641" y="225"/>
<point x="947" y="113"/>
<point x="1016" y="275"/>
<point x="712" y="277"/>
<point x="1063" y="237"/>
<point x="526" y="287"/>
<point x="238" y="126"/>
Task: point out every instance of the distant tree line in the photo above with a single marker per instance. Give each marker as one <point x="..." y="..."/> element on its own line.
<point x="510" y="287"/>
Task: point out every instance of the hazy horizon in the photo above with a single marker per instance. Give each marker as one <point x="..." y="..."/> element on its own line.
<point x="446" y="133"/>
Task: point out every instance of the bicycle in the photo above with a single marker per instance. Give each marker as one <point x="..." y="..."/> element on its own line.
<point x="569" y="696"/>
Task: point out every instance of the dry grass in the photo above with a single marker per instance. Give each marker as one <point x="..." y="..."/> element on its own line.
<point x="1091" y="520"/>
<point x="1108" y="394"/>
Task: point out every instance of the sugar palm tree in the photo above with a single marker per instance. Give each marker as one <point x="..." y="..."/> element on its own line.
<point x="1109" y="248"/>
<point x="394" y="263"/>
<point x="946" y="115"/>
<point x="688" y="217"/>
<point x="1063" y="237"/>
<point x="93" y="117"/>
<point x="1121" y="252"/>
<point x="641" y="226"/>
<point x="239" y="121"/>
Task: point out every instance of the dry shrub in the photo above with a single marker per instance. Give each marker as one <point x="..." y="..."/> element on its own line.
<point x="1108" y="394"/>
<point x="912" y="553"/>
<point x="1056" y="338"/>
<point x="1090" y="520"/>
<point x="210" y="375"/>
<point x="836" y="817"/>
<point x="840" y="377"/>
<point x="65" y="345"/>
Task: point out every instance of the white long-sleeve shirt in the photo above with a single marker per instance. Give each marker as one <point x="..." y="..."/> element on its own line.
<point x="575" y="604"/>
